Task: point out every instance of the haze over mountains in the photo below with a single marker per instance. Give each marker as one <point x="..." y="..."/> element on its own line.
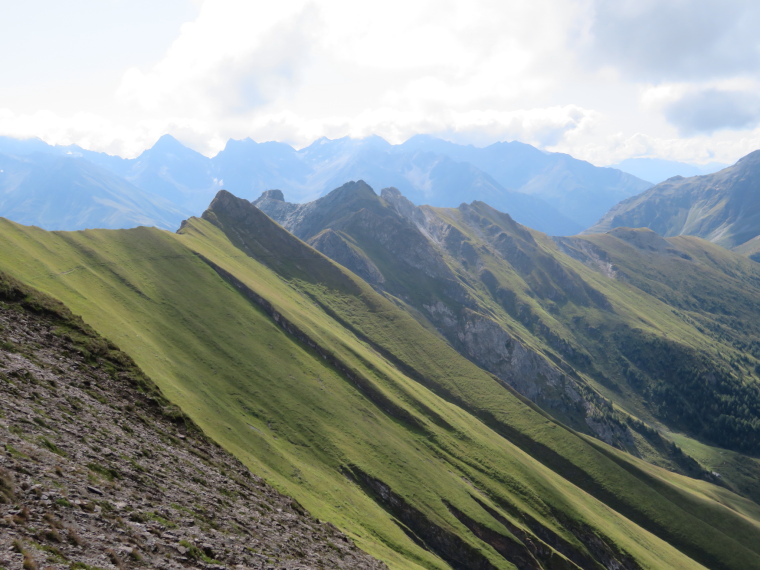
<point x="61" y="193"/>
<point x="656" y="170"/>
<point x="553" y="193"/>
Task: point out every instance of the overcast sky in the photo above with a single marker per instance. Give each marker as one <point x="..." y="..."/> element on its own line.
<point x="602" y="80"/>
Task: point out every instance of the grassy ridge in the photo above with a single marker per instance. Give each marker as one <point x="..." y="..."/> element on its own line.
<point x="656" y="344"/>
<point x="288" y="414"/>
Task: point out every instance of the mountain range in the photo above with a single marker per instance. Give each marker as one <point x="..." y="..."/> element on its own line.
<point x="519" y="305"/>
<point x="439" y="410"/>
<point x="59" y="192"/>
<point x="551" y="192"/>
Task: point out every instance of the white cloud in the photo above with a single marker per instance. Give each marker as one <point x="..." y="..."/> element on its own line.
<point x="594" y="78"/>
<point x="707" y="107"/>
<point x="300" y="69"/>
<point x="657" y="40"/>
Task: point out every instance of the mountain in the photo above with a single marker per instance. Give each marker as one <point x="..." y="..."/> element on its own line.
<point x="658" y="170"/>
<point x="551" y="192"/>
<point x="252" y="167"/>
<point x="176" y="173"/>
<point x="99" y="470"/>
<point x="61" y="192"/>
<point x="723" y="207"/>
<point x="750" y="248"/>
<point x="581" y="191"/>
<point x="606" y="345"/>
<point x="364" y="414"/>
<point x="425" y="176"/>
<point x="25" y="147"/>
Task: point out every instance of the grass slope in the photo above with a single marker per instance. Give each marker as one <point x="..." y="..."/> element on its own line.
<point x="672" y="323"/>
<point x="367" y="418"/>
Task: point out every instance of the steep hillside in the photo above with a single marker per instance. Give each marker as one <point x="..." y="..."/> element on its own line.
<point x="367" y="418"/>
<point x="750" y="248"/>
<point x="596" y="349"/>
<point x="99" y="470"/>
<point x="723" y="207"/>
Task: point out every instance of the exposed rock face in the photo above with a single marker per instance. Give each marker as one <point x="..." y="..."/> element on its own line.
<point x="98" y="470"/>
<point x="338" y="248"/>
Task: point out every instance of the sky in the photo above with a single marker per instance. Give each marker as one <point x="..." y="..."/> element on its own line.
<point x="602" y="80"/>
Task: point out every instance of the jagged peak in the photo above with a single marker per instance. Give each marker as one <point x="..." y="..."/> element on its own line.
<point x="391" y="192"/>
<point x="226" y="202"/>
<point x="403" y="206"/>
<point x="239" y="143"/>
<point x="167" y="142"/>
<point x="271" y="195"/>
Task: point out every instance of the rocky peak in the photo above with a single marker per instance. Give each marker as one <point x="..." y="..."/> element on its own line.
<point x="404" y="207"/>
<point x="350" y="191"/>
<point x="227" y="204"/>
<point x="272" y="195"/>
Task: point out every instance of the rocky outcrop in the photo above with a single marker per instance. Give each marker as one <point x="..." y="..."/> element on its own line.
<point x="483" y="341"/>
<point x="337" y="247"/>
<point x="98" y="470"/>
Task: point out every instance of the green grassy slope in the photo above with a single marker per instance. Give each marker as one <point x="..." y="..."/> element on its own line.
<point x="368" y="419"/>
<point x="617" y="328"/>
<point x="666" y="329"/>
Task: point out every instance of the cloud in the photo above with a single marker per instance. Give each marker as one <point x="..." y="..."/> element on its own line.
<point x="655" y="40"/>
<point x="249" y="68"/>
<point x="705" y="108"/>
<point x="235" y="57"/>
<point x="543" y="127"/>
<point x="593" y="78"/>
<point x="710" y="110"/>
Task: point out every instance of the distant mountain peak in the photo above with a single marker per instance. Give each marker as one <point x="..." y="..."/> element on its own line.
<point x="167" y="142"/>
<point x="272" y="195"/>
<point x="239" y="143"/>
<point x="351" y="189"/>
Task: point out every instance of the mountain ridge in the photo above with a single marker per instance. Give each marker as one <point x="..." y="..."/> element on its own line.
<point x="307" y="426"/>
<point x="471" y="281"/>
<point x="552" y="192"/>
<point x="722" y="207"/>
